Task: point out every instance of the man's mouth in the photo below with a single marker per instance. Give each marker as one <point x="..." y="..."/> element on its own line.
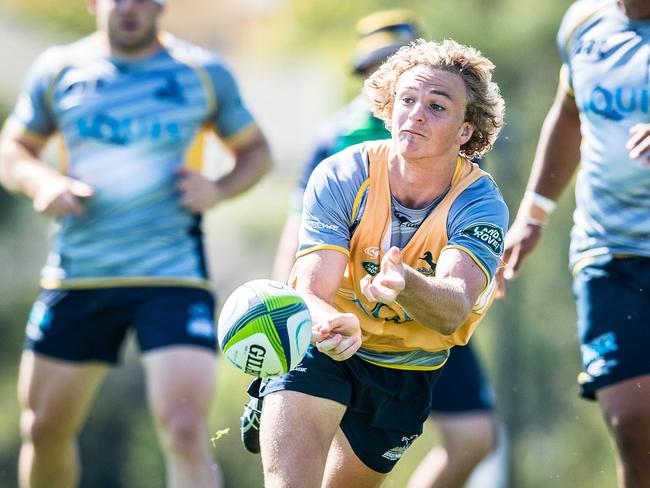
<point x="412" y="132"/>
<point x="129" y="25"/>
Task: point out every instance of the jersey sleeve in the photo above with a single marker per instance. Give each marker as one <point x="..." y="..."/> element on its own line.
<point x="232" y="116"/>
<point x="477" y="223"/>
<point x="563" y="39"/>
<point x="576" y="18"/>
<point x="33" y="110"/>
<point x="328" y="202"/>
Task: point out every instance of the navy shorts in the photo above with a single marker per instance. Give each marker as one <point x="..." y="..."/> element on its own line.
<point x="91" y="324"/>
<point x="461" y="387"/>
<point x="386" y="407"/>
<point x="613" y="305"/>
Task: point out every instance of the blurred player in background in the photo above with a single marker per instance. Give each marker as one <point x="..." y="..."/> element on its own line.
<point x="600" y="123"/>
<point x="463" y="414"/>
<point x="350" y="410"/>
<point x="130" y="103"/>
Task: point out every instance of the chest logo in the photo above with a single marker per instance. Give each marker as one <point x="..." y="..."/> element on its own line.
<point x="373" y="252"/>
<point x="431" y="268"/>
<point x="371" y="268"/>
<point x="171" y="91"/>
<point x="405" y="221"/>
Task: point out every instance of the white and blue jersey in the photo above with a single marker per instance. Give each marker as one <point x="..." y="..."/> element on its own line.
<point x="335" y="198"/>
<point x="606" y="67"/>
<point x="127" y="127"/>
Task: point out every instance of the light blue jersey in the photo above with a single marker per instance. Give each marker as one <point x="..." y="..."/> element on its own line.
<point x="127" y="128"/>
<point x="334" y="203"/>
<point x="607" y="67"/>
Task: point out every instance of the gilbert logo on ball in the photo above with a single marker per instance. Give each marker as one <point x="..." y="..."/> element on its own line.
<point x="264" y="328"/>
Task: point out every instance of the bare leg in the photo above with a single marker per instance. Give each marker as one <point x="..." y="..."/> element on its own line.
<point x="626" y="407"/>
<point x="345" y="469"/>
<point x="466" y="440"/>
<point x="296" y="433"/>
<point x="180" y="387"/>
<point x="55" y="397"/>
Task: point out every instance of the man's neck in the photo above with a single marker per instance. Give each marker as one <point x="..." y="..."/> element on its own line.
<point x="635" y="9"/>
<point x="416" y="185"/>
<point x="116" y="52"/>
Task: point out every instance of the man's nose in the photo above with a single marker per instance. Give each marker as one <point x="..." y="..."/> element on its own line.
<point x="417" y="112"/>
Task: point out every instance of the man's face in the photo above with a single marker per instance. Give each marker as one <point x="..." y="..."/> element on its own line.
<point x="428" y="113"/>
<point x="131" y="25"/>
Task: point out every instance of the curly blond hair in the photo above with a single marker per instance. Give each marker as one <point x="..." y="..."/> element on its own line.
<point x="485" y="106"/>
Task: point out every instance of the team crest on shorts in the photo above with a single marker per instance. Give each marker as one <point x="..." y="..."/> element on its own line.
<point x="39" y="320"/>
<point x="396" y="453"/>
<point x="595" y="355"/>
<point x="200" y="323"/>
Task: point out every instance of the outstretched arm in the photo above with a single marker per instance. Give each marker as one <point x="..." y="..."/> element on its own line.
<point x="443" y="302"/>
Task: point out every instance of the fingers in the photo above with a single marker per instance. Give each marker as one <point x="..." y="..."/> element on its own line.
<point x="521" y="239"/>
<point x="391" y="260"/>
<point x="198" y="193"/>
<point x="377" y="291"/>
<point x="512" y="264"/>
<point x="501" y="283"/>
<point x="339" y="336"/>
<point x="317" y="335"/>
<point x="381" y="289"/>
<point x="364" y="284"/>
<point x="339" y="347"/>
<point x="341" y="323"/>
<point x="81" y="189"/>
<point x="71" y="205"/>
<point x="60" y="197"/>
<point x="639" y="142"/>
<point x="389" y="282"/>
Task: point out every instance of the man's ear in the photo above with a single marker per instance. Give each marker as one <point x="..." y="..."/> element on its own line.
<point x="465" y="133"/>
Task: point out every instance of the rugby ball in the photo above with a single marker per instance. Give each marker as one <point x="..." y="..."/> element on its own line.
<point x="264" y="328"/>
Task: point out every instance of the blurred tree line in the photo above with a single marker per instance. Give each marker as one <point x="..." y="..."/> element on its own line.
<point x="528" y="342"/>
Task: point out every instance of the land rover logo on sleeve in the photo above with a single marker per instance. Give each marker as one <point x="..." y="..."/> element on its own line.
<point x="488" y="234"/>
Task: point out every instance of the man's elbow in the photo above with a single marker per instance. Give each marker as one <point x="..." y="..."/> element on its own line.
<point x="261" y="154"/>
<point x="455" y="318"/>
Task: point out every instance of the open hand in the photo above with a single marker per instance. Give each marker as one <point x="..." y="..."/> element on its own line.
<point x="389" y="282"/>
<point x="198" y="193"/>
<point x="61" y="196"/>
<point x="520" y="240"/>
<point x="338" y="336"/>
<point x="639" y="143"/>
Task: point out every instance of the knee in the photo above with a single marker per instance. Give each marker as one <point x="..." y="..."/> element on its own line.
<point x="485" y="441"/>
<point x="41" y="428"/>
<point x="630" y="427"/>
<point x="471" y="442"/>
<point x="183" y="428"/>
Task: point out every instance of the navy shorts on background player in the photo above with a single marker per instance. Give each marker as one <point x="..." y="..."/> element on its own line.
<point x="461" y="387"/>
<point x="613" y="304"/>
<point x="91" y="325"/>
